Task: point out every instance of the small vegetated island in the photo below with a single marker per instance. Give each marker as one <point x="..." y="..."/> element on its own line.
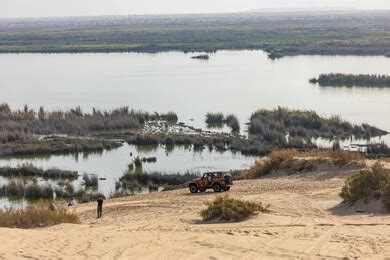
<point x="201" y="57"/>
<point x="351" y="80"/>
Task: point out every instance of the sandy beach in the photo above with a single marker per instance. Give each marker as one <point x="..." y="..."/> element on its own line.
<point x="306" y="221"/>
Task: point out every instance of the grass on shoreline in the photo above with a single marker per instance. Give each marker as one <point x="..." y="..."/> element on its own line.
<point x="36" y="215"/>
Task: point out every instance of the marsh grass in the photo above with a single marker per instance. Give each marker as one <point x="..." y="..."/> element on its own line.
<point x="273" y="125"/>
<point x="20" y="125"/>
<point x="350" y="80"/>
<point x="224" y="208"/>
<point x="90" y="180"/>
<point x="215" y="119"/>
<point x="28" y="170"/>
<point x="36" y="215"/>
<point x="139" y="178"/>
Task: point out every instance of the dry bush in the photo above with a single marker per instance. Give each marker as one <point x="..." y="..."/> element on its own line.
<point x="271" y="163"/>
<point x="36" y="215"/>
<point x="367" y="185"/>
<point x="337" y="158"/>
<point x="386" y="197"/>
<point x="224" y="208"/>
<point x="298" y="161"/>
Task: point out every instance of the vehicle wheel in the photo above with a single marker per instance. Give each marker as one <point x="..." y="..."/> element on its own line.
<point x="226" y="188"/>
<point x="193" y="188"/>
<point x="217" y="188"/>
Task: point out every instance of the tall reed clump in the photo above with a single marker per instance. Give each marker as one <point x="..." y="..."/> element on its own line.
<point x="90" y="180"/>
<point x="224" y="208"/>
<point x="349" y="80"/>
<point x="36" y="215"/>
<point x="20" y="125"/>
<point x="367" y="185"/>
<point x="232" y="122"/>
<point x="274" y="124"/>
<point x="215" y="119"/>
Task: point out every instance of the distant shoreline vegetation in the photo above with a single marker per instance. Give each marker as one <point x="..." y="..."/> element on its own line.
<point x="363" y="33"/>
<point x="351" y="80"/>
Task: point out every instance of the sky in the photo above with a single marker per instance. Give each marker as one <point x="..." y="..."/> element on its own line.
<point x="43" y="8"/>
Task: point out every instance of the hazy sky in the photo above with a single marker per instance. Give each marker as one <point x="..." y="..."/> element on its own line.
<point x="33" y="8"/>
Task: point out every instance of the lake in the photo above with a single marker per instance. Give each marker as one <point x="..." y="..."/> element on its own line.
<point x="236" y="82"/>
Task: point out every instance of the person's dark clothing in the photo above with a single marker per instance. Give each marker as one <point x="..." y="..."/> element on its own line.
<point x="99" y="208"/>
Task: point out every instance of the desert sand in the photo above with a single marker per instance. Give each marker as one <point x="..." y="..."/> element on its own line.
<point x="306" y="221"/>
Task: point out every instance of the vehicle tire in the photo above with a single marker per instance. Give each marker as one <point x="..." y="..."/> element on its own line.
<point x="226" y="188"/>
<point x="217" y="188"/>
<point x="194" y="188"/>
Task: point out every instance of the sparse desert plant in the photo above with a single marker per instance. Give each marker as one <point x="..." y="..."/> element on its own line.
<point x="386" y="197"/>
<point x="224" y="208"/>
<point x="36" y="215"/>
<point x="272" y="162"/>
<point x="367" y="185"/>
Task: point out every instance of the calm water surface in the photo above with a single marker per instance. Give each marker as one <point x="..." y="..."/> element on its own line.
<point x="230" y="81"/>
<point x="236" y="82"/>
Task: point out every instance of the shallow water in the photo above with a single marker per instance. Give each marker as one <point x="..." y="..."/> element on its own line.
<point x="112" y="164"/>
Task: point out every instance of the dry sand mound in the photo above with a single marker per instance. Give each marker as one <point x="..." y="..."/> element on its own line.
<point x="306" y="221"/>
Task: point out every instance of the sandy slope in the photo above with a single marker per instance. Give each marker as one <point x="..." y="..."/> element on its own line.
<point x="306" y="221"/>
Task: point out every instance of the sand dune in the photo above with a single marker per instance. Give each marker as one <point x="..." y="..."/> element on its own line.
<point x="306" y="220"/>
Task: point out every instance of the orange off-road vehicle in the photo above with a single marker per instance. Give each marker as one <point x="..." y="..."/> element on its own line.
<point x="218" y="181"/>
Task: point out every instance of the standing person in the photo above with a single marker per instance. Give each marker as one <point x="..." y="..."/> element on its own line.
<point x="100" y="207"/>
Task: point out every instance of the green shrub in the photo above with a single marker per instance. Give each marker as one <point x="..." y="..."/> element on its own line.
<point x="367" y="185"/>
<point x="224" y="208"/>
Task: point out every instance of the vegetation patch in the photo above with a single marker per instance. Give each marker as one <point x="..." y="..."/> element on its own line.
<point x="224" y="208"/>
<point x="139" y="178"/>
<point x="367" y="185"/>
<point x="215" y="119"/>
<point x="36" y="215"/>
<point x="90" y="180"/>
<point x="28" y="170"/>
<point x="273" y="125"/>
<point x="294" y="161"/>
<point x="351" y="80"/>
